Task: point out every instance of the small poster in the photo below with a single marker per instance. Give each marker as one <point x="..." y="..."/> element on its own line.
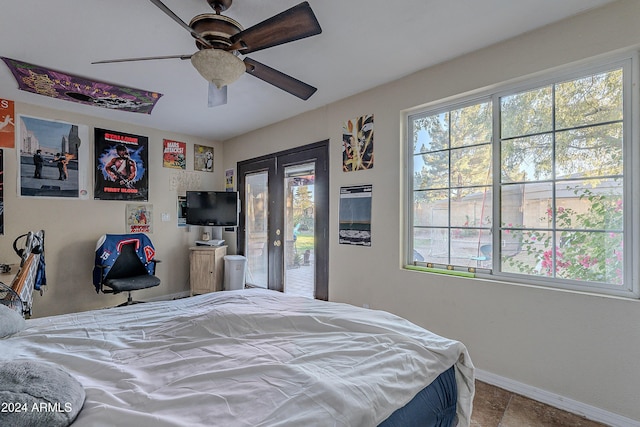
<point x="228" y="180"/>
<point x="182" y="211"/>
<point x="357" y="144"/>
<point x="121" y="166"/>
<point x="174" y="154"/>
<point x="7" y="124"/>
<point x="203" y="158"/>
<point x="1" y="192"/>
<point x="53" y="158"/>
<point x="355" y="215"/>
<point x="139" y="218"/>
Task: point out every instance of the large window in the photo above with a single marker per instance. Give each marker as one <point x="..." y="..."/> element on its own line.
<point x="531" y="184"/>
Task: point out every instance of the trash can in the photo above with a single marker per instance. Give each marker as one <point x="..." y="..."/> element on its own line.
<point x="235" y="267"/>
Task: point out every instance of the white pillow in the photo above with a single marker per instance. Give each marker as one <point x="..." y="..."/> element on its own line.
<point x="38" y="394"/>
<point x="10" y="321"/>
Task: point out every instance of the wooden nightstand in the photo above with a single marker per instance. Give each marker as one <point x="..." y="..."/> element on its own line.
<point x="206" y="268"/>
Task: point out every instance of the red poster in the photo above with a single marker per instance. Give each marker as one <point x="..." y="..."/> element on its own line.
<point x="174" y="154"/>
<point x="7" y="126"/>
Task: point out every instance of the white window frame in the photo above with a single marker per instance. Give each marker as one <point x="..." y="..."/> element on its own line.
<point x="631" y="170"/>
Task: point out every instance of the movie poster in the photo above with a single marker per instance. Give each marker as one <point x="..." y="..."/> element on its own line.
<point x="174" y="154"/>
<point x="121" y="166"/>
<point x="139" y="218"/>
<point x="203" y="158"/>
<point x="7" y="124"/>
<point x="53" y="158"/>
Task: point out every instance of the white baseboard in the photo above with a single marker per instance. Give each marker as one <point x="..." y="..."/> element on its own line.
<point x="557" y="401"/>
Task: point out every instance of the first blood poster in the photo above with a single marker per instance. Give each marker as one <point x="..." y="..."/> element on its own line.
<point x="121" y="166"/>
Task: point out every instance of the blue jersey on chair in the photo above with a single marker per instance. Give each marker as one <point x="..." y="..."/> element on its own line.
<point x="109" y="246"/>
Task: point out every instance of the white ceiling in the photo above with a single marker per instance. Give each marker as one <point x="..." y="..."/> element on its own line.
<point x="364" y="43"/>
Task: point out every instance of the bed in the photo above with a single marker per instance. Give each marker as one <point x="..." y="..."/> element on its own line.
<point x="251" y="357"/>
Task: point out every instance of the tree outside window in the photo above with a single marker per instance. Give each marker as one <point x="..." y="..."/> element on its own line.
<point x="560" y="189"/>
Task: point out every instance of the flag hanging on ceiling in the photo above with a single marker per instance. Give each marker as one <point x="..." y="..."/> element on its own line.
<point x="60" y="85"/>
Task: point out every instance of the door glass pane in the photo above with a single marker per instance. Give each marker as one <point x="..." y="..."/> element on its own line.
<point x="299" y="224"/>
<point x="257" y="226"/>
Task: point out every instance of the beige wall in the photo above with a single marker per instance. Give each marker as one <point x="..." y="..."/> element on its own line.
<point x="72" y="227"/>
<point x="583" y="347"/>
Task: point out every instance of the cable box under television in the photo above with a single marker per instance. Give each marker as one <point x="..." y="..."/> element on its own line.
<point x="212" y="242"/>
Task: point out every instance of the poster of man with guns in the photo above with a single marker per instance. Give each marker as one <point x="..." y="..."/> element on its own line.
<point x="121" y="166"/>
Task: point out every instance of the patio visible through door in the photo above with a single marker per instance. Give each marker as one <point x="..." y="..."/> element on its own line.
<point x="284" y="218"/>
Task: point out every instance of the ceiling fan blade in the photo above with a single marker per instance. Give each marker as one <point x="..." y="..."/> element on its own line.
<point x="144" y="58"/>
<point x="217" y="96"/>
<point x="292" y="24"/>
<point x="183" y="24"/>
<point x="278" y="79"/>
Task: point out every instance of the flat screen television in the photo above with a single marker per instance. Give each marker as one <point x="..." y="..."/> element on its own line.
<point x="212" y="208"/>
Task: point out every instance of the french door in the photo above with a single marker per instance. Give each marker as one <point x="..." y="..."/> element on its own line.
<point x="284" y="218"/>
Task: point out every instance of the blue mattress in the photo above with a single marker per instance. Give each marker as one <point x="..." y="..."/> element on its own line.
<point x="433" y="406"/>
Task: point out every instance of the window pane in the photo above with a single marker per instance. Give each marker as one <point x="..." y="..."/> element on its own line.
<point x="589" y="205"/>
<point x="527" y="205"/>
<point x="590" y="256"/>
<point x="527" y="159"/>
<point x="444" y="176"/>
<point x="257" y="227"/>
<point x="537" y="256"/>
<point x="526" y="113"/>
<point x="471" y="125"/>
<point x="466" y="247"/>
<point x="474" y="209"/>
<point x="471" y="166"/>
<point x="431" y="133"/>
<point x="589" y="152"/>
<point x="431" y="208"/>
<point x="431" y="170"/>
<point x="593" y="99"/>
<point x="530" y="252"/>
<point x="432" y="244"/>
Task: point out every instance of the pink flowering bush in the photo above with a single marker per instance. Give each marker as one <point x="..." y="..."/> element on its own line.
<point x="588" y="244"/>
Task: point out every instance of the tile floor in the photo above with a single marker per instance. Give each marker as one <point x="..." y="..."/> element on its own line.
<point x="495" y="407"/>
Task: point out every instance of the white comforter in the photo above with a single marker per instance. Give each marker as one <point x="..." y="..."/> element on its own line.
<point x="243" y="358"/>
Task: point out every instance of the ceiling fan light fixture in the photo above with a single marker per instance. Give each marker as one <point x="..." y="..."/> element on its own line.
<point x="218" y="66"/>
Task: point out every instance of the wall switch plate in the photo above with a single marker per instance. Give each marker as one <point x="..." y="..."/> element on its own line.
<point x="166" y="216"/>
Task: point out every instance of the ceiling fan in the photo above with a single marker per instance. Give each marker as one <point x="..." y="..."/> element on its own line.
<point x="221" y="40"/>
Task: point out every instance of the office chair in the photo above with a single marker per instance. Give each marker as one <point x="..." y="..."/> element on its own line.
<point x="124" y="263"/>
